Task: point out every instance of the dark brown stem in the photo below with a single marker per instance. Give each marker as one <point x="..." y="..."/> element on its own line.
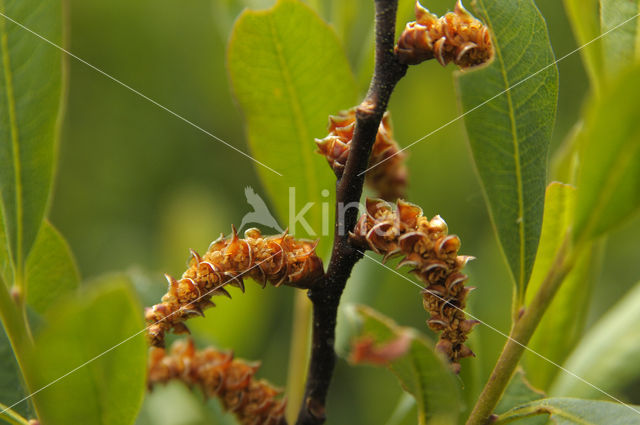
<point x="388" y="71"/>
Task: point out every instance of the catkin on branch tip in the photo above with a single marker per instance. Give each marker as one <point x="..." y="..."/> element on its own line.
<point x="456" y="37"/>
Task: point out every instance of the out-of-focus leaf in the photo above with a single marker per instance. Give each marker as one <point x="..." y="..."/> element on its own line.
<point x="422" y="372"/>
<point x="97" y="326"/>
<point x="30" y="93"/>
<point x="565" y="161"/>
<point x="510" y="107"/>
<point x="563" y="323"/>
<point x="175" y="404"/>
<point x="608" y="180"/>
<point x="607" y="356"/>
<point x="517" y="393"/>
<point x="11" y="385"/>
<point x="574" y="411"/>
<point x="289" y="72"/>
<point x="564" y="319"/>
<point x="583" y="16"/>
<point x="51" y="271"/>
<point x="619" y="45"/>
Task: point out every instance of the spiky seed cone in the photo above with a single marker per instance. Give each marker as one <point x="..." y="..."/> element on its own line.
<point x="277" y="259"/>
<point x="388" y="177"/>
<point x="456" y="37"/>
<point x="219" y="375"/>
<point x="433" y="255"/>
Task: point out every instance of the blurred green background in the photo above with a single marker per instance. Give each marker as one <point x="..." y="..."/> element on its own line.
<point x="137" y="187"/>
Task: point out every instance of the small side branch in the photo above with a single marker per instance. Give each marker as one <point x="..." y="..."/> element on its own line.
<point x="326" y="298"/>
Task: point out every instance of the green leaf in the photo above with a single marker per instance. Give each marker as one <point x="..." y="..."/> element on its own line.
<point x="510" y="108"/>
<point x="573" y="411"/>
<point x="518" y="392"/>
<point x="289" y="72"/>
<point x="608" y="179"/>
<point x="619" y="45"/>
<point x="558" y="213"/>
<point x="30" y="107"/>
<point x="108" y="385"/>
<point x="51" y="271"/>
<point x="607" y="356"/>
<point x="422" y="372"/>
<point x="11" y="384"/>
<point x="583" y="16"/>
<point x="563" y="323"/>
<point x="564" y="319"/>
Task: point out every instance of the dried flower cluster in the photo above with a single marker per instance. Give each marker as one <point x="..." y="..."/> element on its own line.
<point x="276" y="259"/>
<point x="219" y="375"/>
<point x="388" y="177"/>
<point x="433" y="254"/>
<point x="456" y="37"/>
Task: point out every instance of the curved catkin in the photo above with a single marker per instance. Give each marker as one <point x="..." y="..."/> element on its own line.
<point x="387" y="174"/>
<point x="456" y="37"/>
<point x="218" y="374"/>
<point x="275" y="259"/>
<point x="433" y="254"/>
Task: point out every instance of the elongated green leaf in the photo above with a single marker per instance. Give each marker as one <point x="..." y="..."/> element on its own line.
<point x="30" y="93"/>
<point x="109" y="389"/>
<point x="558" y="213"/>
<point x="583" y="16"/>
<point x="51" y="271"/>
<point x="619" y="45"/>
<point x="518" y="393"/>
<point x="574" y="411"/>
<point x="607" y="357"/>
<point x="422" y="372"/>
<point x="608" y="180"/>
<point x="289" y="72"/>
<point x="510" y="106"/>
<point x="564" y="319"/>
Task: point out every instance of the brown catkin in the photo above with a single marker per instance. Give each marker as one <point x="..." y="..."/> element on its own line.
<point x="276" y="259"/>
<point x="433" y="253"/>
<point x="387" y="174"/>
<point x="218" y="374"/>
<point x="456" y="37"/>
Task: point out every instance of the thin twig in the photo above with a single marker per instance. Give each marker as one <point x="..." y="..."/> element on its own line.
<point x="388" y="71"/>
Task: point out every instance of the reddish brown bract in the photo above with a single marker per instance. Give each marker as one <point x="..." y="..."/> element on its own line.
<point x="456" y="37"/>
<point x="387" y="173"/>
<point x="219" y="375"/>
<point x="433" y="253"/>
<point x="275" y="259"/>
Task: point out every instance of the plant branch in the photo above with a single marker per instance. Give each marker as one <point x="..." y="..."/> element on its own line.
<point x="519" y="337"/>
<point x="326" y="298"/>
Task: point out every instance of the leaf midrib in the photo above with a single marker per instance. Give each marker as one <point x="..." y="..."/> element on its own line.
<point x="296" y="109"/>
<point x="516" y="150"/>
<point x="15" y="141"/>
